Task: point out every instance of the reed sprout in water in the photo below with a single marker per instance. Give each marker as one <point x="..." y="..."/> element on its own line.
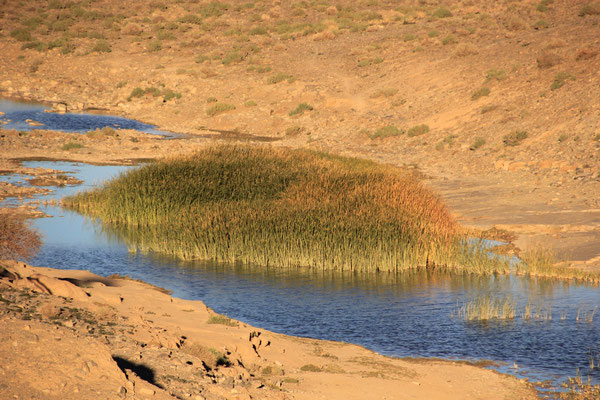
<point x="486" y="308"/>
<point x="287" y="208"/>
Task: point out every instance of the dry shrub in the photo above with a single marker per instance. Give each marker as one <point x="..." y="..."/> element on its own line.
<point x="332" y="10"/>
<point x="556" y="43"/>
<point x="197" y="350"/>
<point x="516" y="23"/>
<point x="133" y="29"/>
<point x="548" y="59"/>
<point x="325" y="35"/>
<point x="17" y="240"/>
<point x="586" y="53"/>
<point x="465" y="49"/>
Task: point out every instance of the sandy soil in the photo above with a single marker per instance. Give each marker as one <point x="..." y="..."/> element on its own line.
<point x="77" y="335"/>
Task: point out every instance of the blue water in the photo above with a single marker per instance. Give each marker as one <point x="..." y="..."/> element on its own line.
<point x="402" y="315"/>
<point x="16" y="115"/>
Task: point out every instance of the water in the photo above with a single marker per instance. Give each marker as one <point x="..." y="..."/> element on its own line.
<point x="397" y="315"/>
<point x="16" y="115"/>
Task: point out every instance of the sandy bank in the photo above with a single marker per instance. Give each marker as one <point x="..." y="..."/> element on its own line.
<point x="76" y="335"/>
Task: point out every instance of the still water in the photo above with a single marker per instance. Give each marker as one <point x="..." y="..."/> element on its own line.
<point x="17" y="114"/>
<point x="402" y="315"/>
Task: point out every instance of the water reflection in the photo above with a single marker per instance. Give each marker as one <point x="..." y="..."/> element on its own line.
<point x="24" y="116"/>
<point x="406" y="314"/>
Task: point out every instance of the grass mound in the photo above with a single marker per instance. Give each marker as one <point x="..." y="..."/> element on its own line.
<point x="279" y="207"/>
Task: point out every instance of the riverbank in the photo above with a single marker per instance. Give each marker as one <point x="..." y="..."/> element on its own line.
<point x="133" y="340"/>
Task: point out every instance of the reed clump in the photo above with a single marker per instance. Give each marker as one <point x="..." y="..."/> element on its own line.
<point x="286" y="208"/>
<point x="486" y="308"/>
<point x="542" y="262"/>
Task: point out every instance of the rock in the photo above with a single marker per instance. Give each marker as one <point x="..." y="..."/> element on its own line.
<point x="146" y="391"/>
<point x="60" y="107"/>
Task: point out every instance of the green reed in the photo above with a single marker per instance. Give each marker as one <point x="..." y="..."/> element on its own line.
<point x="486" y="308"/>
<point x="286" y="208"/>
<point x="542" y="262"/>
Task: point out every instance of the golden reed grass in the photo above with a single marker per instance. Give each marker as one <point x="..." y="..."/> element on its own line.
<point x="286" y="208"/>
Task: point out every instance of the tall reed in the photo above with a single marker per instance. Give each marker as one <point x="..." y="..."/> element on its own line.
<point x="281" y="207"/>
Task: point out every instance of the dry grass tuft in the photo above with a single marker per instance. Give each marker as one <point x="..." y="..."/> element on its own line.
<point x="17" y="240"/>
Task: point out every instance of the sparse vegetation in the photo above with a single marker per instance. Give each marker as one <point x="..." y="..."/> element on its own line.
<point x="102" y="46"/>
<point x="479" y="93"/>
<point x="280" y="77"/>
<point x="590" y="9"/>
<point x="17" y="240"/>
<point x="386" y="131"/>
<point x="479" y="141"/>
<point x="495" y="74"/>
<point x="369" y="61"/>
<point x="219" y="108"/>
<point x="449" y="39"/>
<point x="486" y="308"/>
<point x="300" y="109"/>
<point x="418" y="130"/>
<point x="310" y="368"/>
<point x="442" y="12"/>
<point x="71" y="146"/>
<point x="389" y="92"/>
<point x="560" y="79"/>
<point x="515" y="138"/>
<point x="221" y="320"/>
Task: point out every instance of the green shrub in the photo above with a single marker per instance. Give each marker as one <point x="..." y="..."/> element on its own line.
<point x="201" y="58"/>
<point x="386" y="131"/>
<point x="479" y="93"/>
<point x="310" y="368"/>
<point x="280" y="77"/>
<point x="71" y="145"/>
<point x="479" y="141"/>
<point x="39" y="46"/>
<point x="258" y="30"/>
<point x="418" y="130"/>
<point x="495" y="74"/>
<point x="221" y="320"/>
<point x="250" y="103"/>
<point x="590" y="9"/>
<point x="170" y="94"/>
<point x="136" y="92"/>
<point x="154" y="46"/>
<point x="442" y="12"/>
<point x="22" y="35"/>
<point x="214" y="9"/>
<point x="102" y="46"/>
<point x="233" y="56"/>
<point x="190" y="19"/>
<point x="560" y="79"/>
<point x="219" y="108"/>
<point x="515" y="138"/>
<point x="300" y="109"/>
<point x="449" y="39"/>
